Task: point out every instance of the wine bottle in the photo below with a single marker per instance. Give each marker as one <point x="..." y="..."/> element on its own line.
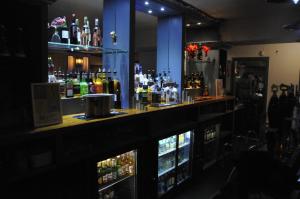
<point x="73" y="30"/>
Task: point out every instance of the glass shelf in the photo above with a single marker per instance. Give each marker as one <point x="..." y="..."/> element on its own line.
<point x="183" y="161"/>
<point x="110" y="184"/>
<point x="184" y="145"/>
<point x="166" y="171"/>
<point x="63" y="47"/>
<point x="166" y="152"/>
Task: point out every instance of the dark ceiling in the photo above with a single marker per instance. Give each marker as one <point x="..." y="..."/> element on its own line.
<point x="237" y="9"/>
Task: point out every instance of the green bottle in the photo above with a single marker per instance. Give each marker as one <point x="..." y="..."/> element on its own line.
<point x="84" y="87"/>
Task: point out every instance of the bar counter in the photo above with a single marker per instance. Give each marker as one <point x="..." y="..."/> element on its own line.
<point x="58" y="148"/>
<point x="70" y="122"/>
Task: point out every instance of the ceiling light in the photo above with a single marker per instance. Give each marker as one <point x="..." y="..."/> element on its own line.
<point x="188" y="25"/>
<point x="296" y="1"/>
<point x="199" y="23"/>
<point x="162" y="9"/>
<point x="146" y="3"/>
<point x="149" y="11"/>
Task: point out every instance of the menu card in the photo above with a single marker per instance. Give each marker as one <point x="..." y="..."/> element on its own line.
<point x="46" y="104"/>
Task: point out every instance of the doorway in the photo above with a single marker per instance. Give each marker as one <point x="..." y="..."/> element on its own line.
<point x="250" y="86"/>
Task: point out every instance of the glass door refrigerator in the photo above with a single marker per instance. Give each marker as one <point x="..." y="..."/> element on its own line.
<point x="174" y="161"/>
<point x="116" y="177"/>
<point x="184" y="157"/>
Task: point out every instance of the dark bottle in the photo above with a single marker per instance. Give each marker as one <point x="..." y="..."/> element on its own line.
<point x="73" y="31"/>
<point x="76" y="84"/>
<point x="110" y="83"/>
<point x="91" y="85"/>
<point x="202" y="83"/>
<point x="117" y="91"/>
<point x="3" y="41"/>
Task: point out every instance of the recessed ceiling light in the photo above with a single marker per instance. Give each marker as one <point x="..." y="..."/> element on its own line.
<point x="296" y="1"/>
<point x="146" y="3"/>
<point x="199" y="23"/>
<point x="188" y="25"/>
<point x="162" y="9"/>
<point x="149" y="11"/>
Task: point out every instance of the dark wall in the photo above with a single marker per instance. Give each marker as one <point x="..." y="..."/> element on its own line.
<point x="26" y="62"/>
<point x="202" y="34"/>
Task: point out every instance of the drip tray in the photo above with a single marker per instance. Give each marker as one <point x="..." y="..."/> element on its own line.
<point x="112" y="114"/>
<point x="163" y="105"/>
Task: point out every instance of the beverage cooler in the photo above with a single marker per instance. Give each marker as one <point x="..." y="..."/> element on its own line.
<point x="116" y="177"/>
<point x="174" y="161"/>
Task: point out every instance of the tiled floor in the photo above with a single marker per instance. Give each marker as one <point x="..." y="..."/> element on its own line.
<point x="207" y="186"/>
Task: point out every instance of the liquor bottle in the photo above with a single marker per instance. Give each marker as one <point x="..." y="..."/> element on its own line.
<point x="104" y="81"/>
<point x="202" y="83"/>
<point x="91" y="85"/>
<point x="69" y="87"/>
<point x="117" y="91"/>
<point x="73" y="30"/>
<point x="110" y="83"/>
<point x="96" y="33"/>
<point x="84" y="88"/>
<point x="78" y="31"/>
<point x="64" y="32"/>
<point x="76" y="85"/>
<point x="19" y="48"/>
<point x="4" y="51"/>
<point x="98" y="83"/>
<point x="86" y="32"/>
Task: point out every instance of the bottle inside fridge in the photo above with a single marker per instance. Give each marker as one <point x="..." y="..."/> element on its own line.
<point x="174" y="155"/>
<point x="116" y="177"/>
<point x="166" y="164"/>
<point x="184" y="153"/>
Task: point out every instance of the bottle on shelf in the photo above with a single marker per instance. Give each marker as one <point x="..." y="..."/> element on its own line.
<point x="98" y="82"/>
<point x="86" y="32"/>
<point x="97" y="34"/>
<point x="73" y="30"/>
<point x="84" y="88"/>
<point x="4" y="50"/>
<point x="64" y="32"/>
<point x="76" y="84"/>
<point x="69" y="87"/>
<point x="117" y="91"/>
<point x="104" y="81"/>
<point x="78" y="31"/>
<point x="91" y="85"/>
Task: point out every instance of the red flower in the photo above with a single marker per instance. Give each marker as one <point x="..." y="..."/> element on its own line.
<point x="192" y="48"/>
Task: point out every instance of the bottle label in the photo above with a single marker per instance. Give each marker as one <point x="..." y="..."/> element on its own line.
<point x="115" y="97"/>
<point x="65" y="34"/>
<point x="69" y="92"/>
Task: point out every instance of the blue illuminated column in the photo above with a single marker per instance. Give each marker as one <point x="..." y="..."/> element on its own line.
<point x="170" y="47"/>
<point x="118" y="16"/>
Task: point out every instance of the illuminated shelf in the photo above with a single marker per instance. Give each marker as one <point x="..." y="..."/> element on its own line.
<point x="104" y="187"/>
<point x="63" y="47"/>
<point x="166" y="171"/>
<point x="184" y="145"/>
<point x="183" y="161"/>
<point x="166" y="152"/>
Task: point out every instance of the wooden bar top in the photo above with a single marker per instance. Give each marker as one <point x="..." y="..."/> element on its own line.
<point x="69" y="121"/>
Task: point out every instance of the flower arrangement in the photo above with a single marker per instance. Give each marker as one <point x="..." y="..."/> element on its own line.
<point x="58" y="22"/>
<point x="192" y="50"/>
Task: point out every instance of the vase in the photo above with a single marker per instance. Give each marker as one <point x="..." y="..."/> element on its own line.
<point x="55" y="37"/>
